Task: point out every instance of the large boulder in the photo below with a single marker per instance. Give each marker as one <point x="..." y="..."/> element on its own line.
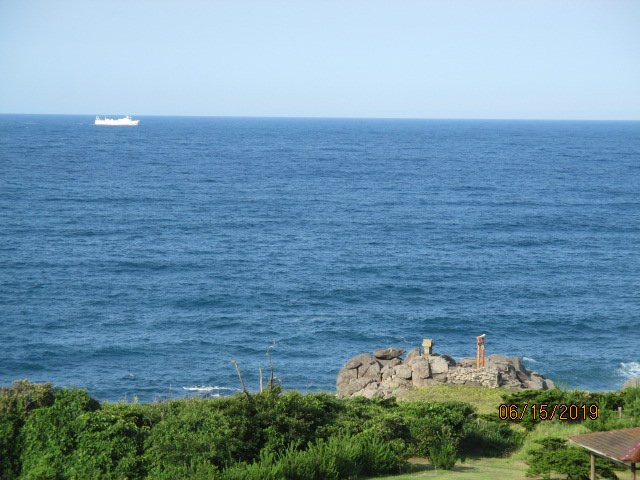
<point x="536" y="382"/>
<point x="424" y="382"/>
<point x="388" y="372"/>
<point x="413" y="355"/>
<point x="388" y="353"/>
<point x="371" y="371"/>
<point x="362" y="359"/>
<point x="346" y="375"/>
<point x="467" y="362"/>
<point x="371" y="391"/>
<point x="403" y="371"/>
<point x="393" y="362"/>
<point x="420" y="368"/>
<point x="500" y="362"/>
<point x="439" y="365"/>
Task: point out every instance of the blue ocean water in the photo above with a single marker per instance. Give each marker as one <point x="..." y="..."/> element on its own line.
<point x="141" y="260"/>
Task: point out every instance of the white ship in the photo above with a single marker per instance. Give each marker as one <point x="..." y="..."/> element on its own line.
<point x="116" y="121"/>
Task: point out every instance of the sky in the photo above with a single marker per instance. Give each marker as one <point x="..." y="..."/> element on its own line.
<point x="547" y="59"/>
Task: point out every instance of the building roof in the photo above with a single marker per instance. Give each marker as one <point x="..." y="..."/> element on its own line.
<point x="622" y="445"/>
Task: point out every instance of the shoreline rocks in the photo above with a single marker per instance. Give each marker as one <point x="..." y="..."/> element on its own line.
<point x="385" y="374"/>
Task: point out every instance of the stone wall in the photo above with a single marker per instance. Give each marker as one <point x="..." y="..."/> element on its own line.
<point x="385" y="374"/>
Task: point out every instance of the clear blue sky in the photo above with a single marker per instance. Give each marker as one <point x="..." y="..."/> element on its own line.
<point x="346" y="58"/>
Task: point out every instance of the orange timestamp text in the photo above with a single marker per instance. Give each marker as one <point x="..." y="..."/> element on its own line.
<point x="543" y="411"/>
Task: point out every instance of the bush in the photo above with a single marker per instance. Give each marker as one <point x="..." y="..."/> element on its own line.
<point x="357" y="414"/>
<point x="110" y="444"/>
<point x="292" y="418"/>
<point x="609" y="419"/>
<point x="607" y="402"/>
<point x="191" y="442"/>
<point x="50" y="433"/>
<point x="55" y="434"/>
<point x="16" y="403"/>
<point x="427" y="420"/>
<point x="442" y="451"/>
<point x="332" y="459"/>
<point x="631" y="397"/>
<point x="554" y="456"/>
<point x="489" y="438"/>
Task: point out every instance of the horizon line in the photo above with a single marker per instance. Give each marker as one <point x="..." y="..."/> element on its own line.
<point x="345" y="117"/>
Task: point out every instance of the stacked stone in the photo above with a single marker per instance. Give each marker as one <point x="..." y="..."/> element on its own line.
<point x="384" y="374"/>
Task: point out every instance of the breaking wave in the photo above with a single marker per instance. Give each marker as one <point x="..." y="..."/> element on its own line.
<point x="629" y="369"/>
<point x="208" y="388"/>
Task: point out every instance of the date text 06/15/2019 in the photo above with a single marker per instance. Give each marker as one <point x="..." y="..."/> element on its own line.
<point x="544" y="411"/>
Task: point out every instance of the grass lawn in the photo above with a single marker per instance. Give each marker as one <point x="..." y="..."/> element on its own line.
<point x="476" y="469"/>
<point x="485" y="400"/>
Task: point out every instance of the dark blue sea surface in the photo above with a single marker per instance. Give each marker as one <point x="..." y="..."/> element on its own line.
<point x="141" y="260"/>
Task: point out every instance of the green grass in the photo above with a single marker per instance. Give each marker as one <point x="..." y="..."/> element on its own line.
<point x="509" y="468"/>
<point x="476" y="469"/>
<point x="485" y="400"/>
<point x="471" y="469"/>
<point x="549" y="429"/>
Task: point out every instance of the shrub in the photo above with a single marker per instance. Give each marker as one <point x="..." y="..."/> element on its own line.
<point x="292" y="418"/>
<point x="631" y="398"/>
<point x="66" y="434"/>
<point x="427" y="420"/>
<point x="357" y="414"/>
<point x="554" y="456"/>
<point x="390" y="426"/>
<point x="16" y="403"/>
<point x="50" y="433"/>
<point x="331" y="459"/>
<point x="442" y="451"/>
<point x="377" y="455"/>
<point x="609" y="419"/>
<point x="607" y="402"/>
<point x="110" y="444"/>
<point x="189" y="443"/>
<point x="489" y="438"/>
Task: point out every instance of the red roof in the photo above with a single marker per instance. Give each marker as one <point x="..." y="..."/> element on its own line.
<point x="622" y="445"/>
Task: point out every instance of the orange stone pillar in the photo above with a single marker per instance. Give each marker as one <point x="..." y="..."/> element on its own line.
<point x="480" y="351"/>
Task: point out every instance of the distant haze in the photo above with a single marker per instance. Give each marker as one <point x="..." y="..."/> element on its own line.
<point x="356" y="58"/>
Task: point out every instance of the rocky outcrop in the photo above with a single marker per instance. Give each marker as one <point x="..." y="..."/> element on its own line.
<point x="385" y="374"/>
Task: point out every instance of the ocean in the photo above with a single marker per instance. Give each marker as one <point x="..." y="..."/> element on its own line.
<point x="139" y="261"/>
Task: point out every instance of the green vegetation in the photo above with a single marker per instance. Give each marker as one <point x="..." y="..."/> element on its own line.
<point x="484" y="400"/>
<point x="52" y="433"/>
<point x="544" y="430"/>
<point x="56" y="434"/>
<point x="470" y="469"/>
<point x="554" y="456"/>
<point x="544" y="452"/>
<point x="607" y="403"/>
<point x="443" y="452"/>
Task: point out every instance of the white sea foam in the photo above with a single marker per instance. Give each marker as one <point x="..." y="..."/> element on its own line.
<point x="529" y="359"/>
<point x="208" y="388"/>
<point x="629" y="369"/>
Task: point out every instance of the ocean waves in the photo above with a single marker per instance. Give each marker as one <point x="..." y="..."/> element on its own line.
<point x="629" y="369"/>
<point x="135" y="262"/>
